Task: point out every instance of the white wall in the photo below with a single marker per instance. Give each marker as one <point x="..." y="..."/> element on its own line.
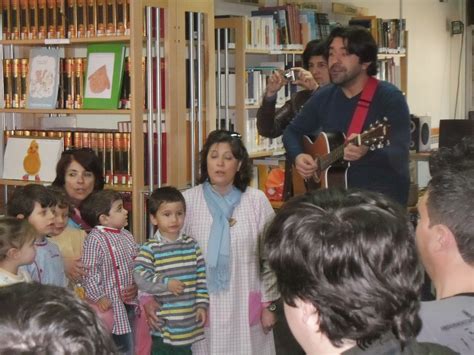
<point x="433" y="54"/>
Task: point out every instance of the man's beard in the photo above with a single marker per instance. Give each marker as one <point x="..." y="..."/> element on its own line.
<point x="343" y="76"/>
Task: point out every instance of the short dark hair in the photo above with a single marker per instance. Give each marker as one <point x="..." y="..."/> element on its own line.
<point x="44" y="319"/>
<point x="313" y="48"/>
<point x="243" y="176"/>
<point x="97" y="204"/>
<point x="89" y="161"/>
<point x="359" y="41"/>
<point x="449" y="202"/>
<point x="163" y="195"/>
<point x="459" y="157"/>
<point x="14" y="233"/>
<point x="62" y="199"/>
<point x="23" y="199"/>
<point x="352" y="255"/>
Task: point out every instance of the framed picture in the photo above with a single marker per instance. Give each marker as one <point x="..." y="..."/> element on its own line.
<point x="32" y="158"/>
<point x="43" y="78"/>
<point x="104" y="75"/>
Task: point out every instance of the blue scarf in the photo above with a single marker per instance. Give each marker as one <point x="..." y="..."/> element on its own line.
<point x="218" y="248"/>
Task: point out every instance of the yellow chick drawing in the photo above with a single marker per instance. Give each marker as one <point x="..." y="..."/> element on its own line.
<point x="32" y="161"/>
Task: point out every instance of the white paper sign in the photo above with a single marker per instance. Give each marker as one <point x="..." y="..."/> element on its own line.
<point x="31" y="158"/>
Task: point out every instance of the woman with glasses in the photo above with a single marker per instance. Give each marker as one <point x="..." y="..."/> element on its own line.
<point x="226" y="217"/>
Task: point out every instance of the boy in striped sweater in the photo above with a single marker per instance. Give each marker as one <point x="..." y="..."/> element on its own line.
<point x="171" y="267"/>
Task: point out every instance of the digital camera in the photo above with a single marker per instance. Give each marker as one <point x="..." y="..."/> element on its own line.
<point x="289" y="75"/>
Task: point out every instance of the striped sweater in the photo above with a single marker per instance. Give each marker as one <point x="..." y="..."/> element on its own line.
<point x="161" y="260"/>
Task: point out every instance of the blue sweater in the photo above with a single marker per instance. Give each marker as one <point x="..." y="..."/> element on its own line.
<point x="329" y="110"/>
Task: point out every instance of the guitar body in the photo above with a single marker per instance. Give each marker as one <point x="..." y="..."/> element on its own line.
<point x="333" y="176"/>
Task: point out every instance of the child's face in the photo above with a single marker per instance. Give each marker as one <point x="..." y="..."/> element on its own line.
<point x="169" y="219"/>
<point x="61" y="217"/>
<point x="27" y="253"/>
<point x="42" y="218"/>
<point x="118" y="216"/>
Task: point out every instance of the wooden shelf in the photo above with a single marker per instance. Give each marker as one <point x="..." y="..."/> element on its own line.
<point x="273" y="51"/>
<point x="390" y="55"/>
<point x="66" y="111"/>
<point x="265" y="153"/>
<point x="64" y="41"/>
<point x="12" y="182"/>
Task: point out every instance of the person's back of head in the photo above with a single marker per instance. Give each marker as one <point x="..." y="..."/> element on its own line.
<point x="43" y="319"/>
<point x="23" y="199"/>
<point x="449" y="202"/>
<point x="97" y="204"/>
<point x="162" y="195"/>
<point x="359" y="41"/>
<point x="457" y="158"/>
<point x="351" y="255"/>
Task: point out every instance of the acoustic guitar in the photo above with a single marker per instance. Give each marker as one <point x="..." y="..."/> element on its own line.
<point x="328" y="150"/>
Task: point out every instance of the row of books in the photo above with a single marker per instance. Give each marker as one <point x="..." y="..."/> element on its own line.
<point x="72" y="73"/>
<point x="388" y="33"/>
<point x="256" y="143"/>
<point x="389" y="70"/>
<point x="285" y="27"/>
<point x="112" y="147"/>
<point x="51" y="19"/>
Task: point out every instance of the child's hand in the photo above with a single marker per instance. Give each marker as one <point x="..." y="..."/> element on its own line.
<point x="175" y="287"/>
<point x="74" y="269"/>
<point x="104" y="304"/>
<point x="201" y="316"/>
<point x="129" y="293"/>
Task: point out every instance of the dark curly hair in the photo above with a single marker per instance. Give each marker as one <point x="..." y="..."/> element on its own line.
<point x="458" y="158"/>
<point x="352" y="255"/>
<point x="359" y="41"/>
<point x="243" y="176"/>
<point x="89" y="161"/>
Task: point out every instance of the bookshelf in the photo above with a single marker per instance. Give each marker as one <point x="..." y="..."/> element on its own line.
<point x="180" y="122"/>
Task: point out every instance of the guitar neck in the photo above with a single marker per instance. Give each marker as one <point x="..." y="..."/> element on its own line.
<point x="336" y="154"/>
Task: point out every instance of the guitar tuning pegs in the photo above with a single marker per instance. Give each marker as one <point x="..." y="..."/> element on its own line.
<point x="376" y="122"/>
<point x="372" y="147"/>
<point x="380" y="145"/>
<point x="387" y="142"/>
<point x="385" y="119"/>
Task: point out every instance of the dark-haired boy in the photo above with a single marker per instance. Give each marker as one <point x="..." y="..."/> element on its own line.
<point x="171" y="267"/>
<point x="109" y="250"/>
<point x="348" y="272"/>
<point x="36" y="204"/>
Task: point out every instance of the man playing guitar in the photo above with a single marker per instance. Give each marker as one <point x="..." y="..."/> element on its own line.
<point x="352" y="61"/>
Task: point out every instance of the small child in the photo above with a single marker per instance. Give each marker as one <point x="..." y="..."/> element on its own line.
<point x="70" y="241"/>
<point x="171" y="267"/>
<point x="108" y="256"/>
<point x="17" y="248"/>
<point x="36" y="204"/>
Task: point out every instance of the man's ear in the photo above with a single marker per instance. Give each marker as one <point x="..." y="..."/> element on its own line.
<point x="310" y="314"/>
<point x="20" y="216"/>
<point x="444" y="237"/>
<point x="366" y="65"/>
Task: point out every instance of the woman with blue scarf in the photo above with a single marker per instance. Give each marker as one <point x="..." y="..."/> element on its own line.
<point x="226" y="217"/>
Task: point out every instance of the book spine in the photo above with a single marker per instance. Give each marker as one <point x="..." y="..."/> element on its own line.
<point x="15" y="19"/>
<point x="117" y="158"/>
<point x="101" y="150"/>
<point x="50" y="18"/>
<point x="91" y="18"/>
<point x="77" y="139"/>
<point x="7" y="70"/>
<point x="127" y="153"/>
<point x="71" y="19"/>
<point x="6" y="19"/>
<point x="111" y="8"/>
<point x="109" y="158"/>
<point x="24" y="78"/>
<point x="42" y="19"/>
<point x="101" y="17"/>
<point x="81" y="19"/>
<point x="68" y="140"/>
<point x="126" y="86"/>
<point x="121" y="20"/>
<point x="24" y="20"/>
<point x="33" y="18"/>
<point x="94" y="142"/>
<point x="79" y="81"/>
<point x="16" y="83"/>
<point x="61" y="88"/>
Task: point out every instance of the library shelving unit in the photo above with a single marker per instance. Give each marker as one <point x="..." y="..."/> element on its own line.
<point x="188" y="32"/>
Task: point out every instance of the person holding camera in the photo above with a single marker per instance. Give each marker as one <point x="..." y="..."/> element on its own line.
<point x="271" y="122"/>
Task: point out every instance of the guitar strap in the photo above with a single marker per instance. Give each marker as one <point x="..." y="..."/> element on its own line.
<point x="360" y="113"/>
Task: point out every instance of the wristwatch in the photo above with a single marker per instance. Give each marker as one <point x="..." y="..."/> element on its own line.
<point x="272" y="307"/>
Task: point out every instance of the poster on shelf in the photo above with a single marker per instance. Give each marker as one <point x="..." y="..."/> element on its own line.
<point x="32" y="158"/>
<point x="43" y="78"/>
<point x="105" y="67"/>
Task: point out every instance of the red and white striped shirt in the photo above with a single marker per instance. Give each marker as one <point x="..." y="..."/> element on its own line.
<point x="100" y="280"/>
